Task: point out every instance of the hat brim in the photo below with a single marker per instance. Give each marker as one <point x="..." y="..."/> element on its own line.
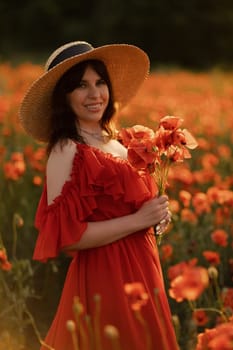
<point x="127" y="66"/>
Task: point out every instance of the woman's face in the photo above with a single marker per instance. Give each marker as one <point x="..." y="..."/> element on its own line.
<point x="90" y="99"/>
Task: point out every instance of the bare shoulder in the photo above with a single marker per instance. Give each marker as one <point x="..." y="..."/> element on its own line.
<point x="59" y="167"/>
<point x="61" y="154"/>
<point x="66" y="149"/>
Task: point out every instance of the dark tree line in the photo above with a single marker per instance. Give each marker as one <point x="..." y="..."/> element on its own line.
<point x="190" y="33"/>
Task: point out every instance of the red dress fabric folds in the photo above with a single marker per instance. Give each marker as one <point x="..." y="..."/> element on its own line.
<point x="102" y="187"/>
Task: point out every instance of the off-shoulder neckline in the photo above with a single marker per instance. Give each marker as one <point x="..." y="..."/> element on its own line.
<point x="108" y="155"/>
<point x="70" y="182"/>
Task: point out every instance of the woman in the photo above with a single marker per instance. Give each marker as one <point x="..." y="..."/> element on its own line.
<point x="94" y="204"/>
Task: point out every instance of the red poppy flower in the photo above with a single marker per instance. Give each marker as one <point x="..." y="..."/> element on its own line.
<point x="188" y="215"/>
<point x="190" y="284"/>
<point x="174" y="206"/>
<point x="203" y="339"/>
<point x="141" y="154"/>
<point x="37" y="180"/>
<point x="179" y="268"/>
<point x="191" y="142"/>
<point x="227" y="297"/>
<point x="178" y="154"/>
<point x="212" y="257"/>
<point x="3" y="256"/>
<point x="200" y="317"/>
<point x="166" y="252"/>
<point x="185" y="198"/>
<point x="213" y="194"/>
<point x="219" y="237"/>
<point x="223" y="337"/>
<point x="15" y="167"/>
<point x="222" y="214"/>
<point x="200" y="203"/>
<point x="138" y="132"/>
<point x="163" y="140"/>
<point x="170" y="122"/>
<point x="4" y="263"/>
<point x="137" y="295"/>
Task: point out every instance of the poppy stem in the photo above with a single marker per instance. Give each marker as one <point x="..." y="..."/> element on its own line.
<point x="212" y="309"/>
<point x="97" y="335"/>
<point x="144" y="324"/>
<point x="78" y="312"/>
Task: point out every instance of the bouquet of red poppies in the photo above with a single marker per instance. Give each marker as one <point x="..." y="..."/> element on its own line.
<point x="154" y="151"/>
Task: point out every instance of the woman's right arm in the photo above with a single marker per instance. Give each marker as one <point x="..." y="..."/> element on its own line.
<point x="104" y="232"/>
<point x="100" y="233"/>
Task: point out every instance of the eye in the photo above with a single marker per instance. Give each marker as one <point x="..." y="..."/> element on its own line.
<point x="101" y="82"/>
<point x="82" y="84"/>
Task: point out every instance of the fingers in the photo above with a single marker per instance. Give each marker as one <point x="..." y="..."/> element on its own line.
<point x="162" y="199"/>
<point x="156" y="212"/>
<point x="166" y="215"/>
<point x="161" y="203"/>
<point x="163" y="209"/>
<point x="163" y="224"/>
<point x="162" y="227"/>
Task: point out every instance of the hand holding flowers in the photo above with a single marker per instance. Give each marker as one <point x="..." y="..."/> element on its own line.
<point x="154" y="211"/>
<point x="155" y="151"/>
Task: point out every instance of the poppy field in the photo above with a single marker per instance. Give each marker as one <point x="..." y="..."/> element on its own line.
<point x="197" y="249"/>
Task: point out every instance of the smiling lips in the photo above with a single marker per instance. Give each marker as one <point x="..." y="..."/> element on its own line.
<point x="94" y="107"/>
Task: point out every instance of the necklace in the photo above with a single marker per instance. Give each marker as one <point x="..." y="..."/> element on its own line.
<point x="96" y="135"/>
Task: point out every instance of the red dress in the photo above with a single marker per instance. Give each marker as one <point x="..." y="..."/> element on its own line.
<point x="103" y="187"/>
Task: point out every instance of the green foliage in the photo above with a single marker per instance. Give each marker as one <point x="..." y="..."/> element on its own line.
<point x="185" y="33"/>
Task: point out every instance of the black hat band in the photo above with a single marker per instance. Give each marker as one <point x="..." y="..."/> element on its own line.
<point x="70" y="52"/>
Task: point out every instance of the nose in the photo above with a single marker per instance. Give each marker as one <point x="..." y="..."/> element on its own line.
<point x="93" y="91"/>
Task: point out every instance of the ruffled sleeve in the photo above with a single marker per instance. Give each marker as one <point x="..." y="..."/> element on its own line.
<point x="58" y="224"/>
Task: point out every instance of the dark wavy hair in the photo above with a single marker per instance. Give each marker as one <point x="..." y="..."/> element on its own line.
<point x="64" y="120"/>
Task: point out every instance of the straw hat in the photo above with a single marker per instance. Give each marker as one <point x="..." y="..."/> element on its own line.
<point x="127" y="66"/>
